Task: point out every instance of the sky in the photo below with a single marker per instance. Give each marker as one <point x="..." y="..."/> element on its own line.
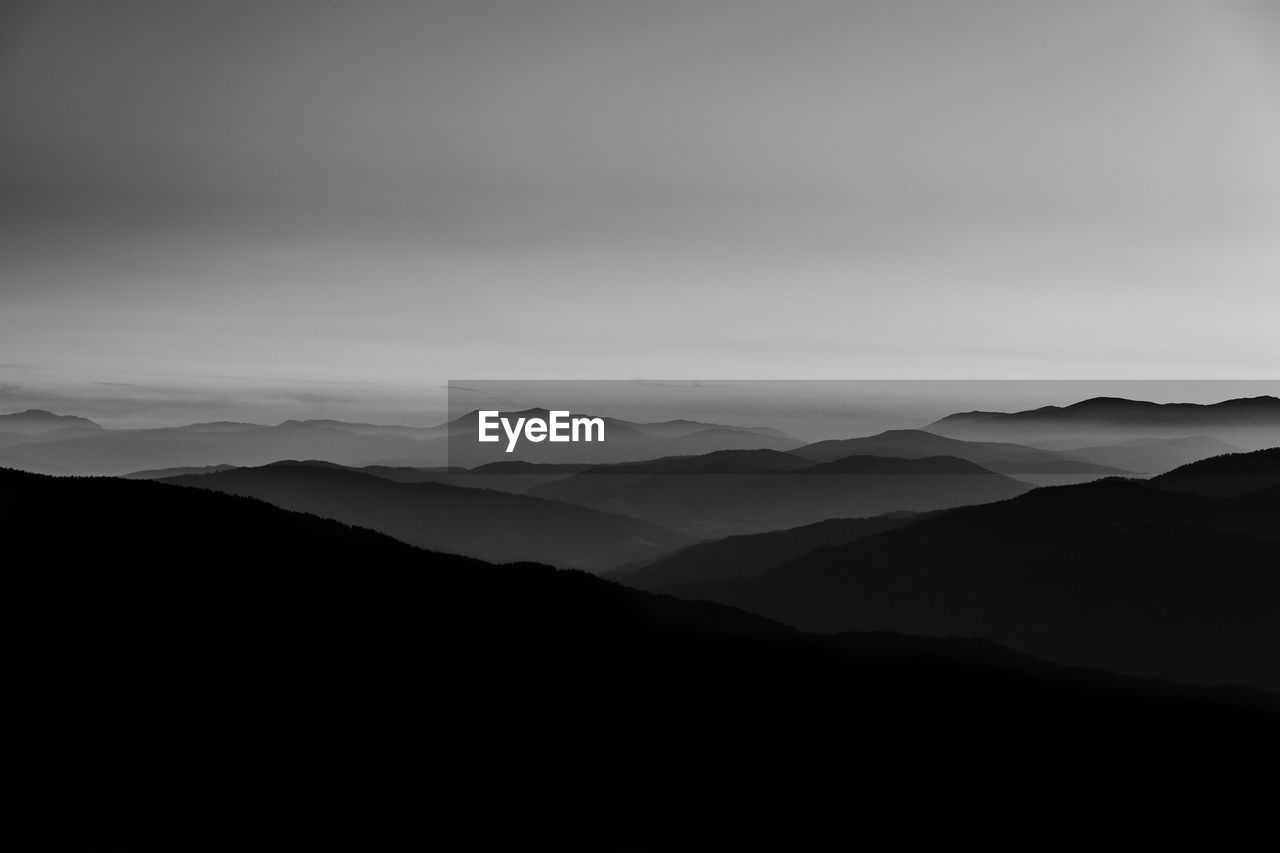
<point x="258" y="210"/>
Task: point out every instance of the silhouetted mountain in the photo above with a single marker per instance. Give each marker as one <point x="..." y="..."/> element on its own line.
<point x="754" y="554"/>
<point x="914" y="444"/>
<point x="201" y="669"/>
<point x="480" y="523"/>
<point x="719" y="495"/>
<point x="1153" y="455"/>
<point x="1232" y="475"/>
<point x="1113" y="573"/>
<point x="38" y="421"/>
<point x="1250" y="423"/>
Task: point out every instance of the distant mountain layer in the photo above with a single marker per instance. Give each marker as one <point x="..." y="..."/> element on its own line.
<point x="1153" y="455"/>
<point x="738" y="492"/>
<point x="491" y="525"/>
<point x="625" y="441"/>
<point x="39" y="421"/>
<point x="126" y="451"/>
<point x="195" y="670"/>
<point x="56" y="444"/>
<point x="754" y="554"/>
<point x="1251" y="423"/>
<point x="913" y="443"/>
<point x="1118" y="574"/>
<point x="166" y="473"/>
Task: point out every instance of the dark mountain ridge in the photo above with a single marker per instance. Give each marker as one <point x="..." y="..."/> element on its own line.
<point x="492" y="525"/>
<point x="997" y="456"/>
<point x="1229" y="475"/>
<point x="1115" y="574"/>
<point x="722" y="496"/>
<point x="202" y="671"/>
<point x="752" y="554"/>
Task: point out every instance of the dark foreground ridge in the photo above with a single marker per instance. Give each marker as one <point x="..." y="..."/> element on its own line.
<point x="190" y="668"/>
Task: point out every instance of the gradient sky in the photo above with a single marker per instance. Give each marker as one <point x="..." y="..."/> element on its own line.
<point x="260" y="209"/>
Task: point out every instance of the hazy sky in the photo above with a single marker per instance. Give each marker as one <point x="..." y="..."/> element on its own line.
<point x="263" y="209"/>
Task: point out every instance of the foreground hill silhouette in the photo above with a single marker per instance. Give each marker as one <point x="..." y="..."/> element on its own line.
<point x="1230" y="475"/>
<point x="191" y="669"/>
<point x="1117" y="574"/>
<point x="473" y="522"/>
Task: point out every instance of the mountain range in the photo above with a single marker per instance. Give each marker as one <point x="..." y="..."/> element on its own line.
<point x="1099" y="437"/>
<point x="196" y="670"/>
<point x="913" y="443"/>
<point x="495" y="526"/>
<point x="625" y="441"/>
<point x="1152" y="455"/>
<point x="42" y="442"/>
<point x="1250" y="423"/>
<point x="1174" y="577"/>
<point x="738" y="492"/>
<point x="754" y="554"/>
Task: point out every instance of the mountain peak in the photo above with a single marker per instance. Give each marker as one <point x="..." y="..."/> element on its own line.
<point x="40" y="420"/>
